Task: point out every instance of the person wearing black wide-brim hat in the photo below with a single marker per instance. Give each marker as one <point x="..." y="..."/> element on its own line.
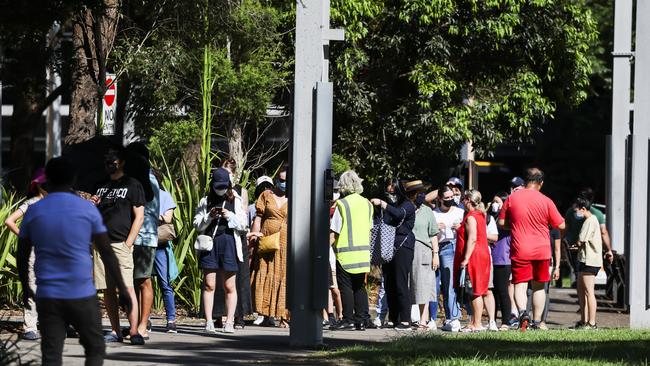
<point x="398" y="270"/>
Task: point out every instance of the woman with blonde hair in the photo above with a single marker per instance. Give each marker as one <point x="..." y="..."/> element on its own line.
<point x="472" y="255"/>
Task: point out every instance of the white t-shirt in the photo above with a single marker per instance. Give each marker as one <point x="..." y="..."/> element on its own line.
<point x="336" y="224"/>
<point x="453" y="216"/>
<point x="492" y="226"/>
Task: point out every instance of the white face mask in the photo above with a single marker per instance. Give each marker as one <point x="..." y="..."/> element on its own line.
<point x="496" y="207"/>
<point x="336" y="196"/>
<point x="457" y="199"/>
<point x="220" y="192"/>
<point x="579" y="215"/>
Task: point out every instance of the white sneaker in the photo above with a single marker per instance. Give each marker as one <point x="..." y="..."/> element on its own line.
<point x="432" y="325"/>
<point x="229" y="328"/>
<point x="377" y="322"/>
<point x="492" y="327"/>
<point x="259" y="320"/>
<point x="209" y="327"/>
<point x="451" y="326"/>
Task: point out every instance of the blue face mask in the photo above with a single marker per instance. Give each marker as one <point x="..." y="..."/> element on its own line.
<point x="282" y="185"/>
<point x="580" y="215"/>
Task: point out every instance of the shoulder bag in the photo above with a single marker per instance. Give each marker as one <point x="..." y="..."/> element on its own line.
<point x="382" y="241"/>
<point x="204" y="243"/>
<point x="166" y="232"/>
<point x="270" y="243"/>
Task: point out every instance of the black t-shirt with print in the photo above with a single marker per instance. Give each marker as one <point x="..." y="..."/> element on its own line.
<point x="118" y="197"/>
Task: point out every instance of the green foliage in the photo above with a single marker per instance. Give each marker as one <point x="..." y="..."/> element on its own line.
<point x="10" y="287"/>
<point x="419" y="78"/>
<point x="172" y="139"/>
<point x="340" y="164"/>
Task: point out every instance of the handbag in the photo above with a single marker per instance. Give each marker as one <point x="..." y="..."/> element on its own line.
<point x="204" y="243"/>
<point x="172" y="266"/>
<point x="269" y="243"/>
<point x="166" y="232"/>
<point x="465" y="289"/>
<point x="382" y="241"/>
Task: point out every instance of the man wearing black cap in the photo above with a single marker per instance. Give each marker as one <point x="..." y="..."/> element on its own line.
<point x="120" y="200"/>
<point x="516" y="184"/>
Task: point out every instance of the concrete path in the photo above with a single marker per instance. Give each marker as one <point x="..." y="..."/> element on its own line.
<point x="269" y="346"/>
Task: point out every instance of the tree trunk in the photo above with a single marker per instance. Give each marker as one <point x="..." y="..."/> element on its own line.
<point x="92" y="38"/>
<point x="236" y="149"/>
<point x="28" y="74"/>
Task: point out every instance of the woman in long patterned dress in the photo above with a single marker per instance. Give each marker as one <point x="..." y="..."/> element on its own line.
<point x="269" y="270"/>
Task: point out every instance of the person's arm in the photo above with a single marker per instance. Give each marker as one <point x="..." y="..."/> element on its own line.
<point x="503" y="221"/>
<point x="609" y="255"/>
<point x="470" y="226"/>
<point x="138" y="220"/>
<point x="10" y="222"/>
<point x="22" y="262"/>
<point x="435" y="259"/>
<point x="103" y="246"/>
<point x="557" y="245"/>
<point x="333" y="238"/>
<point x="236" y="220"/>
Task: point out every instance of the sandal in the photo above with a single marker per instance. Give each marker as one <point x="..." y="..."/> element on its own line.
<point x="112" y="338"/>
<point x="137" y="340"/>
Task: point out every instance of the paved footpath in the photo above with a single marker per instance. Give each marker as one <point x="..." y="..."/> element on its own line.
<point x="270" y="346"/>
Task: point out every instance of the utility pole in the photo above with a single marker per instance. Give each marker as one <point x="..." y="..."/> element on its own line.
<point x="639" y="254"/>
<point x="310" y="174"/>
<point x="53" y="115"/>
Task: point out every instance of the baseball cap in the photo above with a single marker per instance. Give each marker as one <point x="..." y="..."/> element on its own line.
<point x="455" y="181"/>
<point x="220" y="179"/>
<point x="517" y="182"/>
<point x="264" y="179"/>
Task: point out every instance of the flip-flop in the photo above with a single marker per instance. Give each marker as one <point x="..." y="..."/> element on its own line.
<point x="137" y="340"/>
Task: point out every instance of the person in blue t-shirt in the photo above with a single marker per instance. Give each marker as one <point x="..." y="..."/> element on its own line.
<point x="60" y="228"/>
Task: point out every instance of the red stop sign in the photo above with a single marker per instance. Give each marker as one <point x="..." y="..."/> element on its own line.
<point x="109" y="97"/>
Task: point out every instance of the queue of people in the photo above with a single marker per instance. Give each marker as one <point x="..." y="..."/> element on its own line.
<point x="443" y="244"/>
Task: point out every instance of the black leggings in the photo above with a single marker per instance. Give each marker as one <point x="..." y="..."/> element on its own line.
<point x="396" y="282"/>
<point x="501" y="283"/>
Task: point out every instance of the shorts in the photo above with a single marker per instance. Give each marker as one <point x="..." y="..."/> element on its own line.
<point x="125" y="262"/>
<point x="223" y="255"/>
<point x="585" y="269"/>
<point x="526" y="270"/>
<point x="143" y="261"/>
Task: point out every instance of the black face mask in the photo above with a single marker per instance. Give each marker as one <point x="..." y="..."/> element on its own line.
<point x="111" y="168"/>
<point x="390" y="197"/>
<point x="448" y="203"/>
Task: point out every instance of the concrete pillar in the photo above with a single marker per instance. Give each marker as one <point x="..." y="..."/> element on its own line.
<point x="639" y="266"/>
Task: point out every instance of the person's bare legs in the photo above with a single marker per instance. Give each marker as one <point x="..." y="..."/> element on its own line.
<point x="424" y="313"/>
<point x="230" y="288"/>
<point x="588" y="281"/>
<point x="477" y="310"/>
<point x="581" y="299"/>
<point x="521" y="297"/>
<point x="511" y="294"/>
<point x="113" y="310"/>
<point x="145" y="293"/>
<point x="490" y="305"/>
<point x="209" y="282"/>
<point x="338" y="304"/>
<point x="539" y="300"/>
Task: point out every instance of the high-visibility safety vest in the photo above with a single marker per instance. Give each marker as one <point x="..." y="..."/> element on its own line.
<point x="353" y="244"/>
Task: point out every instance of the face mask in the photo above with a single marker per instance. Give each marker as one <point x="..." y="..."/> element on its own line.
<point x="496" y="207"/>
<point x="419" y="199"/>
<point x="390" y="197"/>
<point x="220" y="192"/>
<point x="448" y="203"/>
<point x="111" y="168"/>
<point x="457" y="199"/>
<point x="336" y="196"/>
<point x="282" y="185"/>
<point x="580" y="215"/>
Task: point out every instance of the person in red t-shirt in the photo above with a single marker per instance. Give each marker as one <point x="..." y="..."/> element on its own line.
<point x="528" y="214"/>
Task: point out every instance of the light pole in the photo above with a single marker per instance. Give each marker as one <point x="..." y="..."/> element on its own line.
<point x="310" y="153"/>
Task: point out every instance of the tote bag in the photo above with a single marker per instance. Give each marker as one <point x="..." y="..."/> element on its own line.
<point x="382" y="241"/>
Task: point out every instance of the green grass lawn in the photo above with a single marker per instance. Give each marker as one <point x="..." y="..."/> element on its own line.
<point x="555" y="347"/>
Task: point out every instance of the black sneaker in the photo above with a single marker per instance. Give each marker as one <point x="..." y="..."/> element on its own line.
<point x="360" y="326"/>
<point x="524" y="321"/>
<point x="370" y="325"/>
<point x="401" y="327"/>
<point x="342" y="325"/>
<point x="149" y="326"/>
<point x="31" y="336"/>
<point x="171" y="327"/>
<point x="239" y="323"/>
<point x="534" y="326"/>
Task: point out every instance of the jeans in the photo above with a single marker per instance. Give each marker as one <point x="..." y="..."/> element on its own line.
<point x="433" y="305"/>
<point x="353" y="295"/>
<point x="382" y="302"/>
<point x="162" y="272"/>
<point x="452" y="309"/>
<point x="397" y="273"/>
<point x="83" y="315"/>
